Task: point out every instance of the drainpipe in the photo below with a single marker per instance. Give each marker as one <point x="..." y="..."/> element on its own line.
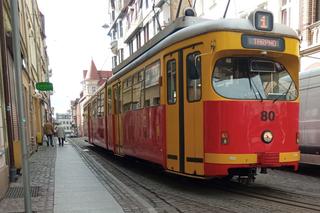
<point x="13" y="170"/>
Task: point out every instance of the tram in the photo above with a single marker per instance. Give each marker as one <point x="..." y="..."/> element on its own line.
<point x="205" y="98"/>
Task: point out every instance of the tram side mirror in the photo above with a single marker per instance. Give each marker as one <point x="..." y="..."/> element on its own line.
<point x="262" y="66"/>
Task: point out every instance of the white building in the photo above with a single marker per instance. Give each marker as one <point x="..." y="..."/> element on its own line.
<point x="65" y="120"/>
<point x="132" y="23"/>
<point x="284" y="11"/>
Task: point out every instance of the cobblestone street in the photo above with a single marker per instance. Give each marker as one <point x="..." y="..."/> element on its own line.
<point x="42" y="174"/>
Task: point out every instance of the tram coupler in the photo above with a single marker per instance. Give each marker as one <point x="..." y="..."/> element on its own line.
<point x="246" y="180"/>
<point x="249" y="177"/>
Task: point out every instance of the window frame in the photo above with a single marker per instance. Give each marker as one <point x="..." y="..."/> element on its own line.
<point x="168" y="92"/>
<point x="187" y="76"/>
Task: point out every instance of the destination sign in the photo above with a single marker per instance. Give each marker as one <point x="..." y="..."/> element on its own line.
<point x="262" y="42"/>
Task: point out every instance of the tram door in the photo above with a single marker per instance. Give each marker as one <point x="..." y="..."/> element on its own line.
<point x="117" y="119"/>
<point x="171" y="64"/>
<point x="193" y="110"/>
<point x="184" y="112"/>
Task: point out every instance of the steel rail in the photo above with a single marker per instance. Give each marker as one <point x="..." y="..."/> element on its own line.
<point x="196" y="203"/>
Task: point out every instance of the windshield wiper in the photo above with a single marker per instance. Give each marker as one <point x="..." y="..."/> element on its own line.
<point x="283" y="94"/>
<point x="251" y="88"/>
<point x="251" y="82"/>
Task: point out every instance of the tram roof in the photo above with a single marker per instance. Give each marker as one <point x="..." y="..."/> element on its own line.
<point x="187" y="27"/>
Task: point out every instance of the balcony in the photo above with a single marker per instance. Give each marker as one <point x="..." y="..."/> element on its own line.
<point x="312" y="44"/>
<point x="315" y="33"/>
<point x="114" y="46"/>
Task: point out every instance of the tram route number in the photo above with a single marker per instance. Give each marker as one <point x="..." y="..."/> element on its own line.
<point x="265" y="116"/>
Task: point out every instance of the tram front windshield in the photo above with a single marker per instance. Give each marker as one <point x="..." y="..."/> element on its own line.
<point x="253" y="79"/>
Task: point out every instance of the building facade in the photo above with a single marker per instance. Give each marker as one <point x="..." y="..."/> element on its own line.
<point x="310" y="34"/>
<point x="34" y="69"/>
<point x="92" y="80"/>
<point x="132" y="23"/>
<point x="65" y="120"/>
<point x="76" y="117"/>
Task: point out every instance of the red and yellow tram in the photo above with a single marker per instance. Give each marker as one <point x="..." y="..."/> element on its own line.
<point x="205" y="98"/>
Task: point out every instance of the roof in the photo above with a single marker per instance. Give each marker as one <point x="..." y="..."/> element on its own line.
<point x="94" y="74"/>
<point x="188" y="27"/>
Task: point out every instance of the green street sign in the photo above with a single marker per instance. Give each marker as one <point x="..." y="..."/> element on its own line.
<point x="44" y="86"/>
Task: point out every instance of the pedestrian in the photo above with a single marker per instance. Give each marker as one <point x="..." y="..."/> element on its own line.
<point x="61" y="134"/>
<point x="48" y="131"/>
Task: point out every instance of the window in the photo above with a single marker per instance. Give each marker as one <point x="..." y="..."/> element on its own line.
<point x="284" y="16"/>
<point x="146" y="33"/>
<point x="109" y="101"/>
<point x="131" y="47"/>
<point x="120" y="28"/>
<point x="114" y="61"/>
<point x="252" y="79"/>
<point x="138" y="40"/>
<point x="171" y="82"/>
<point x="100" y="104"/>
<point x="152" y="87"/>
<point x="194" y="76"/>
<point x="147" y="4"/>
<point x="120" y="55"/>
<point x="113" y="15"/>
<point x="127" y="94"/>
<point x="138" y="90"/>
<point x="114" y="34"/>
<point x="317" y="17"/>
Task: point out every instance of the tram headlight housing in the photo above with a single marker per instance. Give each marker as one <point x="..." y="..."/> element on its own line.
<point x="267" y="136"/>
<point x="224" y="138"/>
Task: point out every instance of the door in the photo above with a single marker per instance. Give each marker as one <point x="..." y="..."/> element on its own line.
<point x="193" y="110"/>
<point x="171" y="64"/>
<point x="184" y="111"/>
<point x="117" y="119"/>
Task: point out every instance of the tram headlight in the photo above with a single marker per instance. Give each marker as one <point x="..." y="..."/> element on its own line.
<point x="297" y="138"/>
<point x="267" y="136"/>
<point x="224" y="138"/>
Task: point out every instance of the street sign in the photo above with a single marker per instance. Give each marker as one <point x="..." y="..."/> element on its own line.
<point x="44" y="86"/>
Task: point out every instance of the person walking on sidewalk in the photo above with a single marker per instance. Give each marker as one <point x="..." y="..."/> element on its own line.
<point x="60" y="134"/>
<point x="48" y="131"/>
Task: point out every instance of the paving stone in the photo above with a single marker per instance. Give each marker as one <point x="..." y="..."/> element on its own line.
<point x="42" y="168"/>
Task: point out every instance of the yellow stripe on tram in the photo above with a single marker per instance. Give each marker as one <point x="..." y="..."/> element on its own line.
<point x="230" y="158"/>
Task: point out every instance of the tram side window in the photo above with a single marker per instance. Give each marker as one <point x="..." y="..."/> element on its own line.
<point x="94" y="108"/>
<point x="194" y="76"/>
<point x="101" y="104"/>
<point x="127" y="95"/>
<point x="171" y="82"/>
<point x="109" y="101"/>
<point x="152" y="86"/>
<point x="137" y="90"/>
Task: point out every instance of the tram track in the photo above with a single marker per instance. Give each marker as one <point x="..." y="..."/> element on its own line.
<point x="245" y="191"/>
<point x="157" y="199"/>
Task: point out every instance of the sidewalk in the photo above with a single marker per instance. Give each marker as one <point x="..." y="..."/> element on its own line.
<point x="60" y="182"/>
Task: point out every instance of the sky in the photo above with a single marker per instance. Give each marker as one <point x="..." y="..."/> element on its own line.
<point x="74" y="37"/>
